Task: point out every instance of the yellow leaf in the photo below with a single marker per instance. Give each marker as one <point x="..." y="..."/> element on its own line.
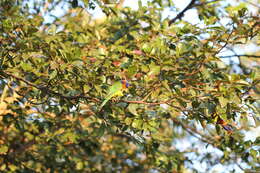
<point x="3" y="107"/>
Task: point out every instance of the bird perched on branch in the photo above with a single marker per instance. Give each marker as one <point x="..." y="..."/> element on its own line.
<point x="225" y="125"/>
<point x="116" y="89"/>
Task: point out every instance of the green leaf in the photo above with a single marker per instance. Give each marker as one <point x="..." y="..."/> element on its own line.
<point x="165" y="84"/>
<point x="52" y="29"/>
<point x="131" y="71"/>
<point x="3" y="149"/>
<point x="26" y="66"/>
<point x="146" y="48"/>
<point x="53" y="74"/>
<point x="154" y="69"/>
<point x="86" y="88"/>
<point x="79" y="165"/>
<point x="132" y="108"/>
<point x="100" y="131"/>
<point x="12" y="167"/>
<point x="253" y="153"/>
<point x="128" y="120"/>
<point x="29" y="136"/>
<point x="223" y="101"/>
<point x="137" y="123"/>
<point x="3" y="167"/>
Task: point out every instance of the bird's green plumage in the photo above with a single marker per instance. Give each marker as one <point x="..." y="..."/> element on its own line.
<point x="115" y="90"/>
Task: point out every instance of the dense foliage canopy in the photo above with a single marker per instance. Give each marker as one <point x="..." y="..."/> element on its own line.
<point x="55" y="75"/>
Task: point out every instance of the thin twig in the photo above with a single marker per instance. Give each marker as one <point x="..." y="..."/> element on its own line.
<point x="230" y="56"/>
<point x="194" y="131"/>
<point x="146" y="103"/>
<point x="226" y="43"/>
<point x="207" y="2"/>
<point x="181" y="14"/>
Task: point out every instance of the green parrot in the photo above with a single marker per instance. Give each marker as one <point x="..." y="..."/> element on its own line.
<point x="115" y="90"/>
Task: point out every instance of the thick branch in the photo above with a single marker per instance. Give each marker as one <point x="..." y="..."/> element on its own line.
<point x="181" y="14"/>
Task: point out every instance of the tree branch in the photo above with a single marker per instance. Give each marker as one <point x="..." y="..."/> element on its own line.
<point x="226" y="43"/>
<point x="250" y="56"/>
<point x="154" y="103"/>
<point x="181" y="14"/>
<point x="194" y="131"/>
<point x="46" y="89"/>
<point x="146" y="103"/>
